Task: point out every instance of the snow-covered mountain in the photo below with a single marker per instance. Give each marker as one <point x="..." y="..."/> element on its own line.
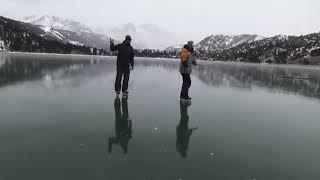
<point x="174" y="48"/>
<point x="304" y="49"/>
<point x="68" y="31"/>
<point x="144" y="36"/>
<point x="26" y="37"/>
<point x="216" y="43"/>
<point x="57" y="23"/>
<point x="222" y="42"/>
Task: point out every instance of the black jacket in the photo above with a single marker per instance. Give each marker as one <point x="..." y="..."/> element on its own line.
<point x="125" y="56"/>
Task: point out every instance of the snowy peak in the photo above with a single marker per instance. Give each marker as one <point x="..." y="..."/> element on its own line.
<point x="25" y="37"/>
<point x="222" y="42"/>
<point x="175" y="48"/>
<point x="68" y="31"/>
<point x="58" y="23"/>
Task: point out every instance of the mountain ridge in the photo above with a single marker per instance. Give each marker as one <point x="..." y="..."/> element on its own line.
<point x="25" y="37"/>
<point x="68" y="31"/>
<point x="281" y="49"/>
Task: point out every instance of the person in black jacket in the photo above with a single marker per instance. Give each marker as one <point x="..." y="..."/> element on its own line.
<point x="125" y="59"/>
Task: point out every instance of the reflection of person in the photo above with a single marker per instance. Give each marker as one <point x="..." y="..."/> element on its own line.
<point x="125" y="59"/>
<point x="123" y="125"/>
<point x="183" y="131"/>
<point x="187" y="59"/>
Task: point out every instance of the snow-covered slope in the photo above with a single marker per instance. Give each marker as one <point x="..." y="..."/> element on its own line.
<point x="68" y="31"/>
<point x="1" y="45"/>
<point x="216" y="43"/>
<point x="222" y="42"/>
<point x="175" y="48"/>
<point x="148" y="36"/>
<point x="304" y="49"/>
<point x="25" y="37"/>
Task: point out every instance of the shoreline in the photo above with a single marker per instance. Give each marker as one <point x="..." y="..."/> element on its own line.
<point x="101" y="57"/>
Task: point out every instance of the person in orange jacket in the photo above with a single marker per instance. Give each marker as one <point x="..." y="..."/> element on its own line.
<point x="186" y="60"/>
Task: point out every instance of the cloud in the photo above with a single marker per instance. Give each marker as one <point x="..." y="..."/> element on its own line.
<point x="188" y="19"/>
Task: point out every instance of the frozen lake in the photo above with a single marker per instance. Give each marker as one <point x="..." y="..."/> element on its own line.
<point x="60" y="119"/>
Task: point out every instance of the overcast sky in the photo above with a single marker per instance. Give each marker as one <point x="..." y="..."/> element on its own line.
<point x="187" y="19"/>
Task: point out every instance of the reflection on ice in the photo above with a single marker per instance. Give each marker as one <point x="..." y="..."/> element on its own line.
<point x="123" y="125"/>
<point x="248" y="76"/>
<point x="55" y="71"/>
<point x="257" y="133"/>
<point x="183" y="131"/>
<point x="59" y="71"/>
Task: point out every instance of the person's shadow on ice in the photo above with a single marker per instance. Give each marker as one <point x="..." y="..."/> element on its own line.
<point x="123" y="126"/>
<point x="183" y="131"/>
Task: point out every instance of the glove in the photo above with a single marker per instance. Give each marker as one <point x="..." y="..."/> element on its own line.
<point x="111" y="41"/>
<point x="194" y="62"/>
<point x="131" y="68"/>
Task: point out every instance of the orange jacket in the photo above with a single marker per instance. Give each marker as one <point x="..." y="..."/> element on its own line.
<point x="184" y="55"/>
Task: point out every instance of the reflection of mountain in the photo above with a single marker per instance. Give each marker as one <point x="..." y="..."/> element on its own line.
<point x="20" y="67"/>
<point x="55" y="70"/>
<point x="247" y="76"/>
<point x="274" y="78"/>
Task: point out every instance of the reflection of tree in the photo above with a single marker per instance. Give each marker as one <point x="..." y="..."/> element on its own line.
<point x="123" y="126"/>
<point x="246" y="76"/>
<point x="183" y="131"/>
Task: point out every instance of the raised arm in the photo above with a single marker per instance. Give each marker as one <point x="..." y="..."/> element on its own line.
<point x="114" y="47"/>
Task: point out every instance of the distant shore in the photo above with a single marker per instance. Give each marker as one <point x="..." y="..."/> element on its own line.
<point x="313" y="61"/>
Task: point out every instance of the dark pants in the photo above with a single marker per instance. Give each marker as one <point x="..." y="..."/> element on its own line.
<point x="185" y="86"/>
<point x="126" y="76"/>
